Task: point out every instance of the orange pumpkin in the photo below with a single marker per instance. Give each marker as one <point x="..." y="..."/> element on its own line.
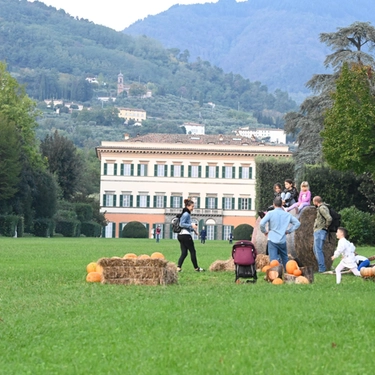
<point x="94" y="277"/>
<point x="291" y="265"/>
<point x="130" y="256"/>
<point x="157" y="255"/>
<point x="91" y="267"/>
<point x="144" y="256"/>
<point x="274" y="263"/>
<point x="297" y="272"/>
<point x="99" y="269"/>
<point x="278" y="281"/>
<point x="266" y="268"/>
<point x="367" y="272"/>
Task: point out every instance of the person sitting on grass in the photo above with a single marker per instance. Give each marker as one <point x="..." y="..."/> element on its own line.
<point x="347" y="250"/>
<point x="361" y="261"/>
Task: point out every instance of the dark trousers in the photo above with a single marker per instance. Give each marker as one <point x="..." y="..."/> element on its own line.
<point x="187" y="244"/>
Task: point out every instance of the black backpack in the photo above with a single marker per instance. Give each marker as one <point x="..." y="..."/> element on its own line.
<point x="176" y="224"/>
<point x="336" y="219"/>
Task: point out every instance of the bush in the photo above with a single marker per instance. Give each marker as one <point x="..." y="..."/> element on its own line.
<point x="20" y="226"/>
<point x="43" y="227"/>
<point x="68" y="228"/>
<point x="91" y="229"/>
<point x="8" y="225"/>
<point x="84" y="212"/>
<point x="360" y="226"/>
<point x="243" y="232"/>
<point x="134" y="229"/>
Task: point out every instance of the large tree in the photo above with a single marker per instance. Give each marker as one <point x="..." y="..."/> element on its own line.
<point x="352" y="44"/>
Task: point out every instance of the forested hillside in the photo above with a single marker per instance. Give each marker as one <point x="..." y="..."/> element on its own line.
<point x="52" y="53"/>
<point x="273" y="41"/>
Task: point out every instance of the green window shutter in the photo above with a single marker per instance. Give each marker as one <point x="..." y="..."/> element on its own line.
<point x="155" y="170"/>
<point x="132" y="170"/>
<point x="165" y="201"/>
<point x="146" y="170"/>
<point x="239" y="203"/>
<point x="115" y="170"/>
<point x="199" y="202"/>
<point x="114" y="201"/>
<point x="172" y="170"/>
<point x="121" y="169"/>
<point x="147" y="226"/>
<point x="104" y="200"/>
<point x="189" y="171"/>
<point x="222" y="232"/>
<point x="249" y="203"/>
<point x="138" y="170"/>
<point x="171" y="202"/>
<point x="216" y="199"/>
<point x="155" y="201"/>
<point x="148" y="201"/>
<point x="233" y="172"/>
<point x="131" y="201"/>
<point x="251" y="172"/>
<point x="217" y="172"/>
<point x="223" y="203"/>
<point x="207" y="171"/>
<point x="121" y="200"/>
<point x="206" y="203"/>
<point x="181" y="202"/>
<point x="113" y="230"/>
<point x="182" y="171"/>
<point x="200" y="171"/>
<point x="200" y="224"/>
<point x="233" y="203"/>
<point x="215" y="232"/>
<point x="240" y="172"/>
<point x="103" y="232"/>
<point x="105" y="169"/>
<point x="165" y="170"/>
<point x="138" y="200"/>
<point x="223" y="172"/>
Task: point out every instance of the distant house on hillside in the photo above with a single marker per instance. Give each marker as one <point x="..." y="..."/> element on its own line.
<point x="193" y="128"/>
<point x="274" y="135"/>
<point x="92" y="80"/>
<point x="135" y="114"/>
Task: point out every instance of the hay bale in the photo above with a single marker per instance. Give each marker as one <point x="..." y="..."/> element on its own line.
<point x="222" y="265"/>
<point x="300" y="243"/>
<point x="138" y="271"/>
<point x="261" y="261"/>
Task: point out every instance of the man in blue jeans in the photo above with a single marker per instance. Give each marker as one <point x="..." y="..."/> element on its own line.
<point x="321" y="224"/>
<point x="278" y="227"/>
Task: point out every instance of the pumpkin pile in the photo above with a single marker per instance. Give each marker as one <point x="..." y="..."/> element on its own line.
<point x="95" y="271"/>
<point x="292" y="268"/>
<point x="274" y="273"/>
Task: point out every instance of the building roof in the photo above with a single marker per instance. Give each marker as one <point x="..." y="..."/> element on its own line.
<point x="192" y="124"/>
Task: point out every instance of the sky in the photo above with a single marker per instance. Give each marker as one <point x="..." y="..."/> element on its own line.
<point x="117" y="14"/>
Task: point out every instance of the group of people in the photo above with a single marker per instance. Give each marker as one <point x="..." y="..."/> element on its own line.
<point x="281" y="222"/>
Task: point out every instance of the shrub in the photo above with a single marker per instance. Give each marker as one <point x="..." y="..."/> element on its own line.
<point x="243" y="232"/>
<point x="360" y="226"/>
<point x="84" y="212"/>
<point x="43" y="227"/>
<point x="91" y="229"/>
<point x="68" y="228"/>
<point x="20" y="226"/>
<point x="134" y="229"/>
<point x="8" y="225"/>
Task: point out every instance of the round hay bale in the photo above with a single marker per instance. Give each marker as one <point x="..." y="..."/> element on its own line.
<point x="261" y="261"/>
<point x="218" y="265"/>
<point x="229" y="265"/>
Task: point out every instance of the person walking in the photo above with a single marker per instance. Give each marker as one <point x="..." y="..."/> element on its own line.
<point x="203" y="235"/>
<point x="185" y="238"/>
<point x="321" y="224"/>
<point x="230" y="238"/>
<point x="278" y="227"/>
<point x="158" y="232"/>
<point x="347" y="250"/>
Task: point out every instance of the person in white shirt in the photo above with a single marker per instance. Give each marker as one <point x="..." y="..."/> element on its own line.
<point x="347" y="250"/>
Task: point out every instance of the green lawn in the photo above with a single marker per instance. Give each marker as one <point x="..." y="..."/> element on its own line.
<point x="54" y="322"/>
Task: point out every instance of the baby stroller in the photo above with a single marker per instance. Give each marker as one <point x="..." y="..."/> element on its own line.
<point x="244" y="255"/>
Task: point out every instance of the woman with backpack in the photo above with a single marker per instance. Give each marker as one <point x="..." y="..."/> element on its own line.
<point x="185" y="238"/>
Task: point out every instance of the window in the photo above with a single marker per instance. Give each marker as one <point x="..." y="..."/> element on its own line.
<point x="160" y="201"/>
<point x="176" y="202"/>
<point x="110" y="230"/>
<point x="194" y="170"/>
<point x="229" y="172"/>
<point x="211" y="171"/>
<point x="244" y="203"/>
<point x="127" y="169"/>
<point x="228" y="203"/>
<point x="246" y="172"/>
<point x="161" y="170"/>
<point x="211" y="203"/>
<point x="176" y="170"/>
<point x="210" y="229"/>
<point x="143" y="201"/>
<point x="126" y="200"/>
<point x="226" y="230"/>
<point x="142" y="169"/>
<point x="109" y="200"/>
<point x="110" y="169"/>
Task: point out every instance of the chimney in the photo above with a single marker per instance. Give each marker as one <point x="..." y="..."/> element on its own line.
<point x="126" y="136"/>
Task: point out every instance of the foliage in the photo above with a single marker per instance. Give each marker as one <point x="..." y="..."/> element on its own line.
<point x="68" y="228"/>
<point x="8" y="225"/>
<point x="91" y="229"/>
<point x="349" y="125"/>
<point x="43" y="227"/>
<point x="269" y="172"/>
<point x="84" y="211"/>
<point x="360" y="226"/>
<point x="242" y="232"/>
<point x="339" y="189"/>
<point x="134" y="229"/>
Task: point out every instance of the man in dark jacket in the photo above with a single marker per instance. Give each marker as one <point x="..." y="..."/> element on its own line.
<point x="203" y="235"/>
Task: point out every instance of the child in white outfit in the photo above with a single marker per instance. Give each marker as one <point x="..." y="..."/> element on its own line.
<point x="347" y="250"/>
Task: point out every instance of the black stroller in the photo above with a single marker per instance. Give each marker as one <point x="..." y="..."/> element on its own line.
<point x="244" y="255"/>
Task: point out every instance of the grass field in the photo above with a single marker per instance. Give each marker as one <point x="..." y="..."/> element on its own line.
<point x="53" y="322"/>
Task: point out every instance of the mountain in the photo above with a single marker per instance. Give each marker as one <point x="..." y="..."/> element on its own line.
<point x="273" y="41"/>
<point x="52" y="53"/>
